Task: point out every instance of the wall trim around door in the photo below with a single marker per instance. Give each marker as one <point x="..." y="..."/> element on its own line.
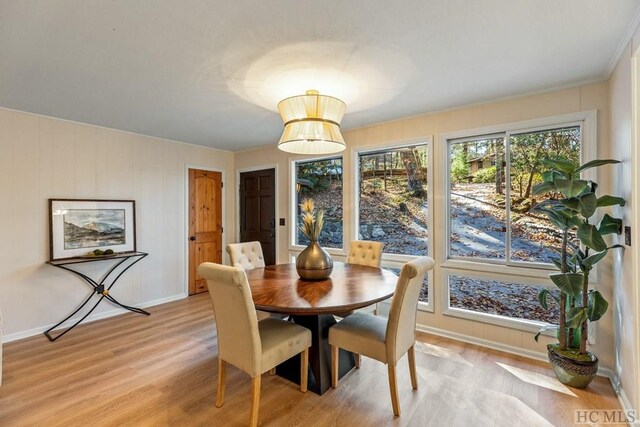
<point x="273" y="166"/>
<point x="185" y="211"/>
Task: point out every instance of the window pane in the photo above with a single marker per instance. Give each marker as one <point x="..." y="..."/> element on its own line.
<point x="532" y="233"/>
<point x="477" y="194"/>
<point x="321" y="180"/>
<point x="500" y="298"/>
<point x="393" y="199"/>
<point x="424" y="291"/>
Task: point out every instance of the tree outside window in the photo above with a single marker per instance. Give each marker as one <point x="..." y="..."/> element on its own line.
<point x="321" y="180"/>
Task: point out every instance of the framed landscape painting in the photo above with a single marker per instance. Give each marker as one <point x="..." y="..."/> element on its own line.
<point x="80" y="226"/>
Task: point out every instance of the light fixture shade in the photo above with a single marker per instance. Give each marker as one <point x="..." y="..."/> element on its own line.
<point x="311" y="124"/>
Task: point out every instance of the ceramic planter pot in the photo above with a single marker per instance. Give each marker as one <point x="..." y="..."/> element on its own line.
<point x="314" y="263"/>
<point x="571" y="372"/>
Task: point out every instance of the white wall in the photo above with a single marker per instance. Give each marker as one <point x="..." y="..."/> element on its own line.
<point x="43" y="158"/>
<point x="626" y="282"/>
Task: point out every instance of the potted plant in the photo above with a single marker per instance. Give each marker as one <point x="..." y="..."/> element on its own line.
<point x="313" y="263"/>
<point x="571" y="207"/>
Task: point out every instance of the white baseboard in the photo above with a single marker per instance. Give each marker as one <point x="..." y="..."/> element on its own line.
<point x="531" y="354"/>
<point x="627" y="407"/>
<point x="98" y="316"/>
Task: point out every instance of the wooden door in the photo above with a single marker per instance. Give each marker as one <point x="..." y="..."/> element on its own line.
<point x="205" y="224"/>
<point x="258" y="210"/>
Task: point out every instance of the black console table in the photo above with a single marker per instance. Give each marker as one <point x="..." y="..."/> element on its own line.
<point x="102" y="288"/>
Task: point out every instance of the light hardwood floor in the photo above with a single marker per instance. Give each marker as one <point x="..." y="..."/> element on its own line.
<point x="161" y="370"/>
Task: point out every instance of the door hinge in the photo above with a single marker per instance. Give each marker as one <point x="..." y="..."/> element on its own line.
<point x="221" y="184"/>
<point x="222" y="229"/>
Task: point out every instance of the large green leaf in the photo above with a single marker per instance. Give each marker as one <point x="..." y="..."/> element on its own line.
<point x="542" y="298"/>
<point x="597" y="305"/>
<point x="585" y="204"/>
<point x="560" y="218"/>
<point x="576" y="316"/>
<point x="572" y="187"/>
<point x="610" y="225"/>
<point x="569" y="283"/>
<point x="564" y="166"/>
<point x="595" y="163"/>
<point x="544" y="295"/>
<point x="610" y="201"/>
<point x="592" y="260"/>
<point x="544" y="188"/>
<point x="571" y="203"/>
<point x="591" y="237"/>
<point x="551" y="175"/>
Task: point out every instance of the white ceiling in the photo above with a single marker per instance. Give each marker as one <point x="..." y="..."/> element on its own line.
<point x="211" y="72"/>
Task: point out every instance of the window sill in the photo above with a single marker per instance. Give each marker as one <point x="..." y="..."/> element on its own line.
<point x="427" y="307"/>
<point x="508" y="270"/>
<point x="531" y="326"/>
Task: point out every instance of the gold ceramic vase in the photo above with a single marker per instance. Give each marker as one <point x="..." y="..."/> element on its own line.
<point x="314" y="263"/>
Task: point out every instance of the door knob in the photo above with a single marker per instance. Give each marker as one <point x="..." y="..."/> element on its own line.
<point x="192" y="238"/>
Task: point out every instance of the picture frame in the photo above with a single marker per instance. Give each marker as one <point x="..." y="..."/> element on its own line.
<point x="80" y="226"/>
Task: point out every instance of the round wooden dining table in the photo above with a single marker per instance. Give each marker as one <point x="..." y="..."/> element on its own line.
<point x="313" y="304"/>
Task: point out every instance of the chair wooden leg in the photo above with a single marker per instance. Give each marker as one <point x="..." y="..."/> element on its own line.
<point x="255" y="400"/>
<point x="358" y="360"/>
<point x="222" y="377"/>
<point x="334" y="365"/>
<point x="272" y="371"/>
<point x="304" y="369"/>
<point x="393" y="387"/>
<point x="412" y="367"/>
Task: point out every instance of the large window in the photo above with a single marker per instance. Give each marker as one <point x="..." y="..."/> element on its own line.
<point x="491" y="179"/>
<point x="393" y="206"/>
<point x="321" y="180"/>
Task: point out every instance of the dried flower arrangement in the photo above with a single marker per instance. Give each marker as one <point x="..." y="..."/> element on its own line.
<point x="312" y="220"/>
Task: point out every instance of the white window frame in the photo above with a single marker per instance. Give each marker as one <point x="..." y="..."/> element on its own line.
<point x="494" y="319"/>
<point x="293" y="204"/>
<point x="516" y="272"/>
<point x="397" y="260"/>
<point x="587" y="123"/>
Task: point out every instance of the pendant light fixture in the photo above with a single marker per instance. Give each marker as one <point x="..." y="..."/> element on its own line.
<point x="311" y="124"/>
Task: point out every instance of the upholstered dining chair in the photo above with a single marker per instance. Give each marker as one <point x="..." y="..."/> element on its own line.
<point x="368" y="253"/>
<point x="252" y="346"/>
<point x="385" y="340"/>
<point x="365" y="252"/>
<point x="248" y="255"/>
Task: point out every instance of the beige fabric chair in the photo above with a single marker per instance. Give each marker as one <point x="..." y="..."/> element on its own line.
<point x="369" y="253"/>
<point x="381" y="339"/>
<point x="248" y="255"/>
<point x="252" y="346"/>
<point x="365" y="252"/>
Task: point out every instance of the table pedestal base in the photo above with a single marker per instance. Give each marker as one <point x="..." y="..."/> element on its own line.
<point x="319" y="355"/>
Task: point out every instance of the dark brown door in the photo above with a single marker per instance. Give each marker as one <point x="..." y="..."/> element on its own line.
<point x="258" y="211"/>
<point x="205" y="224"/>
